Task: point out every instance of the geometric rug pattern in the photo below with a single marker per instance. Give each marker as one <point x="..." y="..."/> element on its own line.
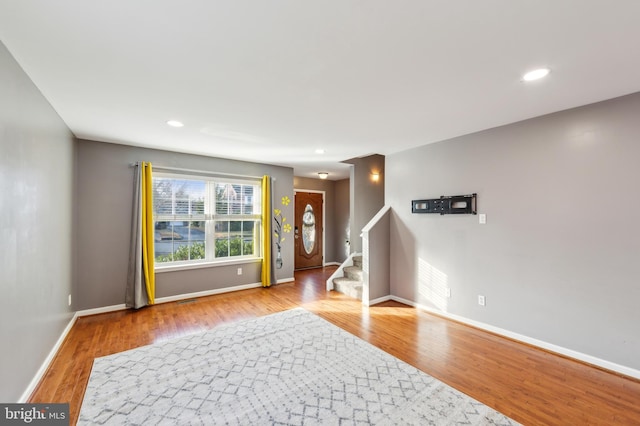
<point x="289" y="368"/>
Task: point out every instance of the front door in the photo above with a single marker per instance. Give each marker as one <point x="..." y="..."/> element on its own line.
<point x="308" y="230"/>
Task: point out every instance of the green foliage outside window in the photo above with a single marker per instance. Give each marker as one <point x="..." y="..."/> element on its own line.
<point x="186" y="252"/>
<point x="233" y="247"/>
<point x="196" y="250"/>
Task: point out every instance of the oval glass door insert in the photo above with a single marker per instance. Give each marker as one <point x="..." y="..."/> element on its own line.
<point x="308" y="229"/>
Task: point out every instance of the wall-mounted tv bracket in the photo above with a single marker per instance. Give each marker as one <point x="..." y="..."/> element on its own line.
<point x="452" y="204"/>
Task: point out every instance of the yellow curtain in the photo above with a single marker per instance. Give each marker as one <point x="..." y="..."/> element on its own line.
<point x="148" y="232"/>
<point x="266" y="231"/>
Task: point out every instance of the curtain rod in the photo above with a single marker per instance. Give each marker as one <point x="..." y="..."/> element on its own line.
<point x="201" y="172"/>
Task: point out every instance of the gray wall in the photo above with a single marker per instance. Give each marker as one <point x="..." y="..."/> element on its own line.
<point x="343" y="219"/>
<point x="104" y="203"/>
<point x="367" y="196"/>
<point x="376" y="257"/>
<point x="558" y="257"/>
<point x="334" y="206"/>
<point x="36" y="188"/>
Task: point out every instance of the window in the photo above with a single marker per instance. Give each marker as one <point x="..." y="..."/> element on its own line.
<point x="202" y="220"/>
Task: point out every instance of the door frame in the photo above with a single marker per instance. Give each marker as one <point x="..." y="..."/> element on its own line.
<point x="315" y="191"/>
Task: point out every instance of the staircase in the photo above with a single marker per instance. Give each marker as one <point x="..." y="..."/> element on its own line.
<point x="351" y="283"/>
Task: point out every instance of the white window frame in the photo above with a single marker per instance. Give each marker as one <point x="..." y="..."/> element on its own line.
<point x="210" y="217"/>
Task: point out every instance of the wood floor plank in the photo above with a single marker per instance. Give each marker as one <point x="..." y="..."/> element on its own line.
<point x="530" y="385"/>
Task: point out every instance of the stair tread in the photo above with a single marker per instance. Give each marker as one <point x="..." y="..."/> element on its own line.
<point x="348" y="287"/>
<point x="354" y="273"/>
<point x="345" y="280"/>
<point x="351" y="284"/>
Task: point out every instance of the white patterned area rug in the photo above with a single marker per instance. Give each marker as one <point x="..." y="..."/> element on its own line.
<point x="289" y="368"/>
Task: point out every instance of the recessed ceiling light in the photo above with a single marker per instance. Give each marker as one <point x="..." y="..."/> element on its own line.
<point x="536" y="74"/>
<point x="319" y="151"/>
<point x="175" y="123"/>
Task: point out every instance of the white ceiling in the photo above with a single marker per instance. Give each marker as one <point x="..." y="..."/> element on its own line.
<point x="273" y="80"/>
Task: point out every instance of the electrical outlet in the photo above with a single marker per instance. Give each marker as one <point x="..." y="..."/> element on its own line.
<point x="239" y="271"/>
<point x="481" y="300"/>
<point x="482" y="218"/>
<point x="447" y="292"/>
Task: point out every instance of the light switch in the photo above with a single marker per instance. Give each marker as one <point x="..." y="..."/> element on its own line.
<point x="482" y="218"/>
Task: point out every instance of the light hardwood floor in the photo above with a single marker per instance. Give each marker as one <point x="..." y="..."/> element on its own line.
<point x="529" y="385"/>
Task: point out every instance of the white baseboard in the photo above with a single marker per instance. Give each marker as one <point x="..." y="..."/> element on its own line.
<point x="102" y="310"/>
<point x="168" y="299"/>
<point x="570" y="353"/>
<point x="206" y="293"/>
<point x="45" y="364"/>
<point x="379" y="300"/>
<point x="285" y="280"/>
<point x="332" y="264"/>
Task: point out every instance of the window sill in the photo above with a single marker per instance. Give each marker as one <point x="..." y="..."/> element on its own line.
<point x="187" y="266"/>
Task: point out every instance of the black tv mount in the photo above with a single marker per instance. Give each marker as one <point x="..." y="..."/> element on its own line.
<point x="451" y="204"/>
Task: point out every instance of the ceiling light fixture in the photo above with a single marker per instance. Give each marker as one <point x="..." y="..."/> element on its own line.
<point x="536" y="74"/>
<point x="175" y="123"/>
<point x="323" y="175"/>
<point x="319" y="151"/>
